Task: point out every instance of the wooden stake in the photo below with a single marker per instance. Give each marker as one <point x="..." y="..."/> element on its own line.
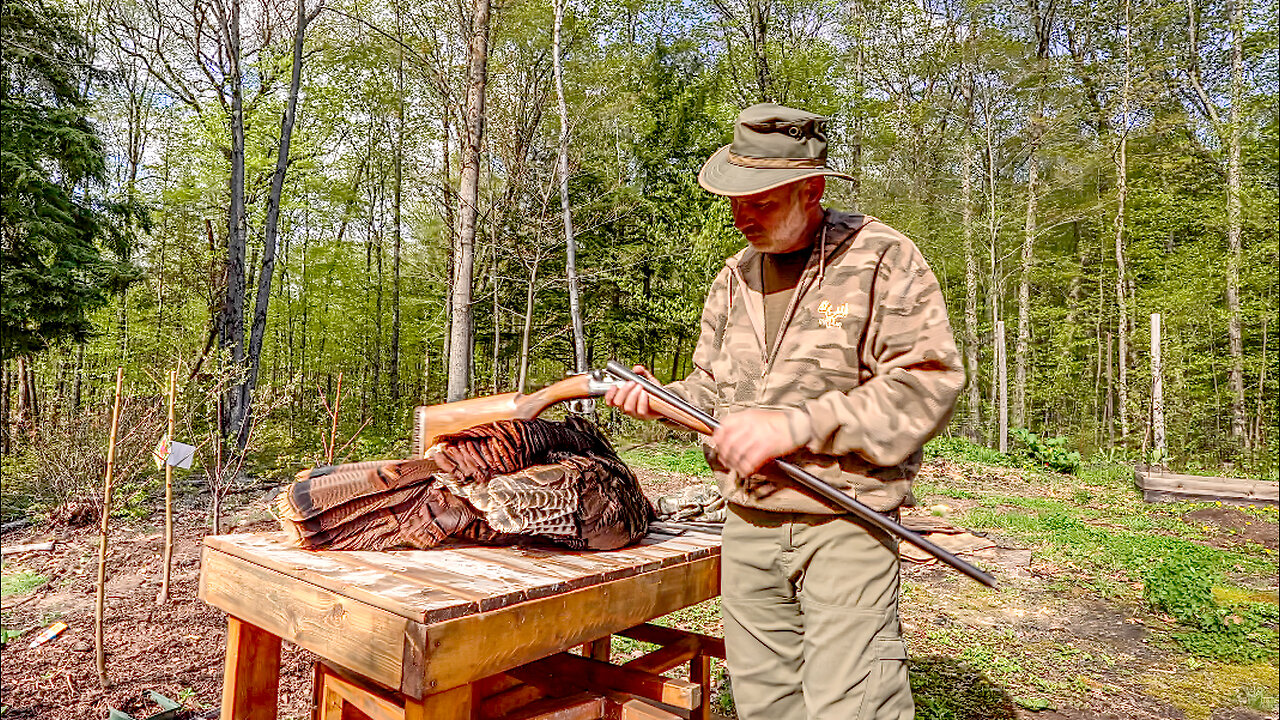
<point x="1157" y="392"/>
<point x="163" y="597"/>
<point x="102" y="537"/>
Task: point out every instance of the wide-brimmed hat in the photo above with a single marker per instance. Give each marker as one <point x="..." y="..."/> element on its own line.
<point x="772" y="145"/>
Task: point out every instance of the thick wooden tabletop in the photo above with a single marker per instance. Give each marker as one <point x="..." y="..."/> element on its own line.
<point x="421" y="621"/>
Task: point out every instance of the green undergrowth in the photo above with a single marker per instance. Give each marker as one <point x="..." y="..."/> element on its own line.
<point x="1208" y="596"/>
<point x="1227" y="625"/>
<point x="20" y="582"/>
<point x="685" y="459"/>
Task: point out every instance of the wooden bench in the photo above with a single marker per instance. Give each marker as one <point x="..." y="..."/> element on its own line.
<point x="455" y="632"/>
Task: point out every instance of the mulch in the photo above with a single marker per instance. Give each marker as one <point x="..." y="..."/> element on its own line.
<point x="175" y="649"/>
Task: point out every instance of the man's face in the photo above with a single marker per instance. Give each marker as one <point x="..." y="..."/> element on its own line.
<point x="777" y="220"/>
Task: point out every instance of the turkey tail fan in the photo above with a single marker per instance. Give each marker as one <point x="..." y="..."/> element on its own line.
<point x="421" y="515"/>
<point x="321" y="489"/>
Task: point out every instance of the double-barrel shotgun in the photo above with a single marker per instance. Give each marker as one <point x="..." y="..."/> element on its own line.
<point x="430" y="422"/>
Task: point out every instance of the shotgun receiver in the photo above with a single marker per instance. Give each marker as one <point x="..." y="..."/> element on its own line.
<point x="432" y="421"/>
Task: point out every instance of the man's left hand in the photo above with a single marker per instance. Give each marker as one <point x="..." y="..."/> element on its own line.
<point x="747" y="440"/>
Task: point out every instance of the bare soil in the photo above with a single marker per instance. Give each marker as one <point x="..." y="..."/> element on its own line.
<point x="177" y="649"/>
<point x="1241" y="527"/>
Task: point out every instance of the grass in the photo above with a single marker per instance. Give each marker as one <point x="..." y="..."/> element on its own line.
<point x="20" y="582"/>
<point x="1093" y="539"/>
<point x="1214" y="685"/>
<point x="668" y="458"/>
<point x="16" y="583"/>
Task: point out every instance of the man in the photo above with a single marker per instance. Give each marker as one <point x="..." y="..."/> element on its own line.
<point x="826" y="340"/>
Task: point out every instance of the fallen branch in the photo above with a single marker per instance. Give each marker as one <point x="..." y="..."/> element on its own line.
<point x="29" y="547"/>
<point x="14" y="525"/>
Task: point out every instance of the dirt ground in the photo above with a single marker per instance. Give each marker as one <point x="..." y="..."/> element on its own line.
<point x="177" y="649"/>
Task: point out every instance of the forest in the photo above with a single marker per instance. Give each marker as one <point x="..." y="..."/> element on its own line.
<point x="322" y="213"/>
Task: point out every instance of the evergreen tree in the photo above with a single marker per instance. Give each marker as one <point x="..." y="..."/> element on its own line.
<point x="64" y="245"/>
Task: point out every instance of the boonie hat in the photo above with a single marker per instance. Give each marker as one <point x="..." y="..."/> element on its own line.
<point x="772" y="145"/>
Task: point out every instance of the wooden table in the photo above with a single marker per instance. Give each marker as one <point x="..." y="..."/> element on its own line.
<point x="429" y="623"/>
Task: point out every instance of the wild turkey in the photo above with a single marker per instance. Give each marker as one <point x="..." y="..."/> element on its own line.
<point x="506" y="482"/>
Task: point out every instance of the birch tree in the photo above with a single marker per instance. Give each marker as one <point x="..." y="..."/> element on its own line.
<point x="562" y="165"/>
<point x="462" y="331"/>
<point x="1228" y="132"/>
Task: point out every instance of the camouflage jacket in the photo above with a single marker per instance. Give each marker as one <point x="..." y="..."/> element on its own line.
<point x="864" y="365"/>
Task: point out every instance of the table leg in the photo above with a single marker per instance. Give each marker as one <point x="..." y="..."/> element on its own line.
<point x="700" y="673"/>
<point x="251" y="679"/>
<point x="452" y="704"/>
<point x="599" y="649"/>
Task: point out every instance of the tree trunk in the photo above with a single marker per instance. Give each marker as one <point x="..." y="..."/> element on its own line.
<point x="122" y="324"/>
<point x="995" y="289"/>
<point x="858" y="16"/>
<point x="379" y="284"/>
<point x="1109" y="413"/>
<point x="393" y="370"/>
<point x="759" y="49"/>
<point x="100" y="605"/>
<point x="1002" y="381"/>
<point x="1258" y="439"/>
<point x="973" y="419"/>
<point x="241" y="423"/>
<point x="528" y="325"/>
<point x="6" y="386"/>
<point x="1234" y="336"/>
<point x="23" y="412"/>
<point x="166" y="564"/>
<point x="461" y="331"/>
<point x="426" y="373"/>
<point x="79" y="384"/>
<point x="1122" y="194"/>
<point x="231" y="325"/>
<point x="497" y="324"/>
<point x="450" y="227"/>
<point x="1023" y="347"/>
<point x="571" y="245"/>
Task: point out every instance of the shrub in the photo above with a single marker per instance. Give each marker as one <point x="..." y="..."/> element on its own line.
<point x="1048" y="452"/>
<point x="66" y="458"/>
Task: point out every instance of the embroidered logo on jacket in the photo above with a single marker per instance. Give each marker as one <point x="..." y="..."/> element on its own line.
<point x="832" y="315"/>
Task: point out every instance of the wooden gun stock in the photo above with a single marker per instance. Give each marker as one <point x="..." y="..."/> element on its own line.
<point x="432" y="421"/>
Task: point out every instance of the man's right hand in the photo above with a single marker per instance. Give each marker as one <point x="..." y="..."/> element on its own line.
<point x="632" y="399"/>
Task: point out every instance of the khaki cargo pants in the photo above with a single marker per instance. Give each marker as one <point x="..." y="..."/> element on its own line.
<point x="810" y="606"/>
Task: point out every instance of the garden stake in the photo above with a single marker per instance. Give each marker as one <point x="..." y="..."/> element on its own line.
<point x="102" y="538"/>
<point x="163" y="597"/>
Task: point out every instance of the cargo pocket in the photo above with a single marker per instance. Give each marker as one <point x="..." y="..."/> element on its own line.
<point x="889" y="696"/>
